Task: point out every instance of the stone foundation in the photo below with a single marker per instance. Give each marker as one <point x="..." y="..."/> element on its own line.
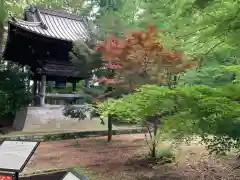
<point x="48" y="118"/>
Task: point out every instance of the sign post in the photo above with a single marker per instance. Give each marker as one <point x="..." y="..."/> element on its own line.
<point x="14" y="155"/>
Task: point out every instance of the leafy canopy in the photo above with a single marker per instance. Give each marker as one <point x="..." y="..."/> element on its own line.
<point x="210" y="112"/>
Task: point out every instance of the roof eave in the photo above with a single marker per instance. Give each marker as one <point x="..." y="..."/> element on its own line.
<point x="28" y="30"/>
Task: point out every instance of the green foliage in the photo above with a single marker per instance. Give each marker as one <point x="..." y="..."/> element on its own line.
<point x="195" y="27"/>
<point x="117" y="20"/>
<point x="212" y="76"/>
<point x="165" y="154"/>
<point x="3" y="17"/>
<point x="85" y="58"/>
<point x="210" y="112"/>
<point x="147" y="101"/>
<point x="14" y="93"/>
<point x="74" y="112"/>
<point x="68" y="90"/>
<point x="80" y="112"/>
<point x="3" y="12"/>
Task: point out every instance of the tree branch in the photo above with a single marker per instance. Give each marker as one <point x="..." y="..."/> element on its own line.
<point x="209" y="51"/>
<point x="192" y="33"/>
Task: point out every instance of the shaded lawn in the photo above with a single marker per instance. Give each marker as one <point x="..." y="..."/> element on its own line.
<point x="120" y="160"/>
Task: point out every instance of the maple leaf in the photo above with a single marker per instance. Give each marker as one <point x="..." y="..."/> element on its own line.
<point x="140" y="58"/>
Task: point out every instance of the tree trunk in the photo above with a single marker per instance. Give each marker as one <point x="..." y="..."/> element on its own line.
<point x="154" y="144"/>
<point x="109" y="128"/>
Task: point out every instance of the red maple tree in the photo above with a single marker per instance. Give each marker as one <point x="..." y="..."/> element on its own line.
<point x="140" y="59"/>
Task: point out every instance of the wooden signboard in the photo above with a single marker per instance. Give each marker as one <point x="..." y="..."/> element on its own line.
<point x="14" y="155"/>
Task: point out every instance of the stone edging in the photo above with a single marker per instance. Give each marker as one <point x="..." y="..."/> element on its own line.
<point x="72" y="135"/>
<point x="42" y="172"/>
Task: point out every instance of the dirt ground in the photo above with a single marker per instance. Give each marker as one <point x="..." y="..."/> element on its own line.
<point x="118" y="160"/>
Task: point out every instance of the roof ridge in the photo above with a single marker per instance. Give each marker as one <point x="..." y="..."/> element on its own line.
<point x="38" y="13"/>
<point x="58" y="13"/>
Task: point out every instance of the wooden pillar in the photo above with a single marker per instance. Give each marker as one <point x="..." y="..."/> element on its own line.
<point x="42" y="90"/>
<point x="38" y="86"/>
<point x="74" y="86"/>
<point x="86" y="83"/>
<point x="34" y="91"/>
<point x="28" y="80"/>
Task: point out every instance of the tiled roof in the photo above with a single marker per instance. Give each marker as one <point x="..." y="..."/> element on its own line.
<point x="54" y="24"/>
